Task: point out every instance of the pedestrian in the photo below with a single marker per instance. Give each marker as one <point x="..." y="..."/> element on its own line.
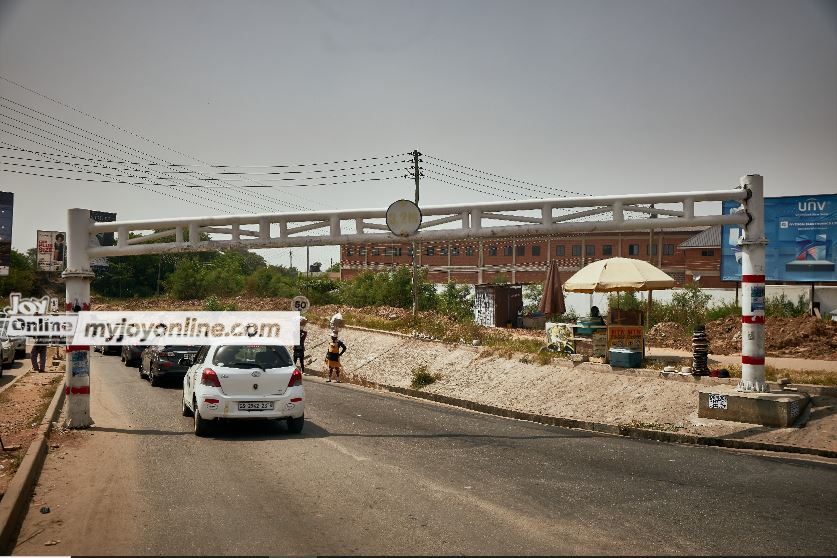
<point x="299" y="350"/>
<point x="39" y="353"/>
<point x="335" y="350"/>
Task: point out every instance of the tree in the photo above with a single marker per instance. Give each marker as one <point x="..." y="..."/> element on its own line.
<point x="22" y="277"/>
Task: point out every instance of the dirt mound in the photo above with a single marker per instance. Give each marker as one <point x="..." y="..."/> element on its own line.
<point x="803" y="337"/>
<point x="670" y="335"/>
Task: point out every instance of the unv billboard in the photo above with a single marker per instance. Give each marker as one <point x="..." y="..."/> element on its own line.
<point x="801" y="233"/>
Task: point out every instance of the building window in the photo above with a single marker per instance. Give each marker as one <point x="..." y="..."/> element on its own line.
<point x="392" y="251"/>
<point x="349" y="251"/>
<point x="361" y="251"/>
<point x="607" y="249"/>
<point x="507" y="251"/>
<point x="668" y="249"/>
<point x="469" y="250"/>
<point x="707" y="252"/>
<point x="559" y="250"/>
<point x="651" y="250"/>
<point x="521" y="250"/>
<point x="492" y="250"/>
<point x="376" y="252"/>
<point x="443" y="251"/>
<point x="536" y="250"/>
<point x="591" y="250"/>
<point x="577" y="250"/>
<point x="633" y="249"/>
<point x="430" y="251"/>
<point x="454" y="251"/>
<point x="410" y="251"/>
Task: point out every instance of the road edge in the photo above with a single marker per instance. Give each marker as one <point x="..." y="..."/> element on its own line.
<point x="16" y="499"/>
<point x="592" y="426"/>
<point x="14" y="381"/>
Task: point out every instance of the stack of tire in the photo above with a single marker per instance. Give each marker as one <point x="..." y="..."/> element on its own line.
<point x="700" y="351"/>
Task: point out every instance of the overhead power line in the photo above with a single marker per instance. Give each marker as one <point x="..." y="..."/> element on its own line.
<point x="267" y="198"/>
<point x="504" y="177"/>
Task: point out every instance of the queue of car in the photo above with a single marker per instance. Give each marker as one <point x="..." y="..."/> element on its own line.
<point x="225" y="382"/>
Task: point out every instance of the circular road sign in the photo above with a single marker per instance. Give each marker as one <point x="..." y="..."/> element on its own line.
<point x="300" y="304"/>
<point x="403" y="218"/>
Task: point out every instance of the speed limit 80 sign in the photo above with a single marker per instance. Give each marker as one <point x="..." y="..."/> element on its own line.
<point x="300" y="304"/>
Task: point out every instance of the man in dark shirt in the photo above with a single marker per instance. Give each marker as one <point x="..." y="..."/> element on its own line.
<point x="299" y="350"/>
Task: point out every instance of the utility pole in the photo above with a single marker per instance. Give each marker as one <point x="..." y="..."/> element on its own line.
<point x="416" y="174"/>
<point x="291" y="265"/>
<point x="307" y="262"/>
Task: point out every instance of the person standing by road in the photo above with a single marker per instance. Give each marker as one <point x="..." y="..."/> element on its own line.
<point x="299" y="350"/>
<point x="335" y="350"/>
<point x="39" y="353"/>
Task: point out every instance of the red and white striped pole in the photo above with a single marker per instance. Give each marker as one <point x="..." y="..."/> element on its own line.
<point x="753" y="243"/>
<point x="78" y="277"/>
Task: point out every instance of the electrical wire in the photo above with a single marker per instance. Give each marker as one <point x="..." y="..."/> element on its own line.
<point x="270" y="199"/>
<point x="500" y="176"/>
<point x="220" y="197"/>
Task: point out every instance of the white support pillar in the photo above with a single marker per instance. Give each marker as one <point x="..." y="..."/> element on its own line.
<point x="752" y="244"/>
<point x="77" y="278"/>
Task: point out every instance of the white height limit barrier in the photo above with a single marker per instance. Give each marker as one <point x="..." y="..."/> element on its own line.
<point x="442" y="223"/>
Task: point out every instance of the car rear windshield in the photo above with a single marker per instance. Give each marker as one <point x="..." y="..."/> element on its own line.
<point x="261" y="356"/>
<point x="183" y="348"/>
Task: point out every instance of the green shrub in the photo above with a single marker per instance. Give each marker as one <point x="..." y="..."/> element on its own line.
<point x="723" y="310"/>
<point x="212" y="304"/>
<point x="456" y="301"/>
<point x="782" y="307"/>
<point x="423" y="378"/>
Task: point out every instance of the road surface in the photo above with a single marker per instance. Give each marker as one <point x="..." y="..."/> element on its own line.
<point x="380" y="473"/>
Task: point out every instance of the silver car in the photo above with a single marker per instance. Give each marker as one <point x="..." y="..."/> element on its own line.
<point x="8" y="353"/>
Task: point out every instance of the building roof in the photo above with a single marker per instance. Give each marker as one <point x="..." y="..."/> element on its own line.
<point x="709" y="238"/>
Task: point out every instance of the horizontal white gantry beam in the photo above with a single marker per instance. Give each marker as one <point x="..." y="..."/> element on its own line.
<point x="440" y="222"/>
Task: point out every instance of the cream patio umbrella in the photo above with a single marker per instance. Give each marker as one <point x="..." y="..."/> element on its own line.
<point x="619" y="274"/>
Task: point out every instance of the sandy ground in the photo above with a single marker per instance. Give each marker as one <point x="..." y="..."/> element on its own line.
<point x="784" y="363"/>
<point x="557" y="389"/>
<point x="20" y="406"/>
<point x="105" y="459"/>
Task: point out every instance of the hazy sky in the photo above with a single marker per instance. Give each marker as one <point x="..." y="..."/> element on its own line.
<point x="595" y="97"/>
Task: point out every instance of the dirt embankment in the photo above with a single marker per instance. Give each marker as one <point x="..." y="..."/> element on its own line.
<point x="804" y="337"/>
<point x="23" y="406"/>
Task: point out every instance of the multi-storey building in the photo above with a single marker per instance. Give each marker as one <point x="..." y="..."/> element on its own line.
<point x="686" y="254"/>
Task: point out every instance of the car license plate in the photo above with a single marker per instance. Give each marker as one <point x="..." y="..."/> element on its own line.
<point x="255" y="405"/>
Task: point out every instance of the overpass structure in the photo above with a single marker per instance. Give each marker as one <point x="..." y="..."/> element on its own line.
<point x="441" y="222"/>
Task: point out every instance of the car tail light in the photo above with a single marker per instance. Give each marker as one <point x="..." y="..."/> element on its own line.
<point x="167" y="354"/>
<point x="210" y="378"/>
<point x="296" y="378"/>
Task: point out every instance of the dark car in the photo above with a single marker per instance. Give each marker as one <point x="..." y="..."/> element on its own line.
<point x="131" y="354"/>
<point x="164" y="361"/>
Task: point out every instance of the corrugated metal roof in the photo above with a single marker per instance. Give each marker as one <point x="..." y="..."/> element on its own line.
<point x="709" y="238"/>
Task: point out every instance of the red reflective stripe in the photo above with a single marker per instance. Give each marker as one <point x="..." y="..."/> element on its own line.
<point x="752" y="319"/>
<point x="71" y="348"/>
<point x="751" y="360"/>
<point x="84" y="390"/>
<point x="296" y="399"/>
<point x="752" y="278"/>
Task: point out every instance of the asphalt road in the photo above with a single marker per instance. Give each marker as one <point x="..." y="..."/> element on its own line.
<point x="379" y="473"/>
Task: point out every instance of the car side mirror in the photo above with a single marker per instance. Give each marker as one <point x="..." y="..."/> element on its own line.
<point x="186" y="362"/>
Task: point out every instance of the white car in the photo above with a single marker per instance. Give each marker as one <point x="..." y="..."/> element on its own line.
<point x="243" y="382"/>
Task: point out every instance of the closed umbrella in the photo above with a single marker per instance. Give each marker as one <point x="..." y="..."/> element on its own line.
<point x="552" y="301"/>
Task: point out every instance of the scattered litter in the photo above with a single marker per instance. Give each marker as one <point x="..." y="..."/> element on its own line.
<point x="44" y="509"/>
<point x="51" y="543"/>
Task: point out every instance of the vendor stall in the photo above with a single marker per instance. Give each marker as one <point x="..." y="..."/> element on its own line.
<point x="621" y="341"/>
